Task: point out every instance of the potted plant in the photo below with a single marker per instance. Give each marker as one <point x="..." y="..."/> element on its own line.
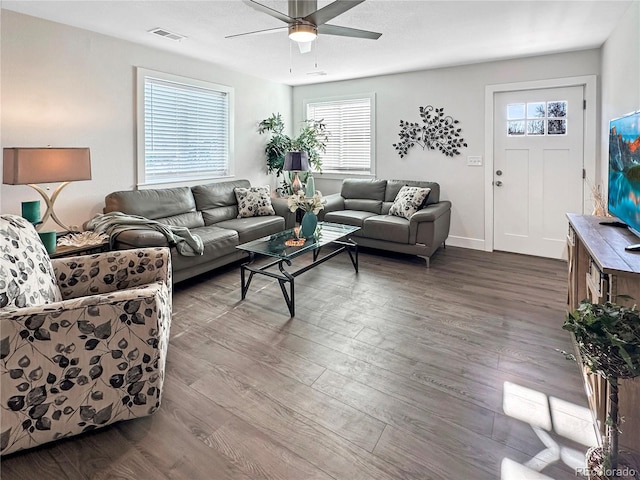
<point x="608" y="339"/>
<point x="311" y="206"/>
<point x="312" y="139"/>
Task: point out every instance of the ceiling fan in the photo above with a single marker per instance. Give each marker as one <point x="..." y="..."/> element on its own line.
<point x="304" y="21"/>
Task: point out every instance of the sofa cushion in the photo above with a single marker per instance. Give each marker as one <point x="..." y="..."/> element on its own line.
<point x="26" y="274"/>
<point x="153" y="203"/>
<point x="251" y="228"/>
<point x="254" y="202"/>
<point x="189" y="220"/>
<point x="363" y="189"/>
<point x="373" y="206"/>
<point x="217" y="201"/>
<point x="394" y="186"/>
<point x="219" y="214"/>
<point x="387" y="227"/>
<point x="217" y="242"/>
<point x="348" y="217"/>
<point x="214" y="195"/>
<point x="408" y="201"/>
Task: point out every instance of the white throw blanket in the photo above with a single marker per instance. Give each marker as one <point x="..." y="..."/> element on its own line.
<point x="115" y="223"/>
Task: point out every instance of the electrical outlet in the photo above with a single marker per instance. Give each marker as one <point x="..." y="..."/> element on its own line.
<point x="474" y="161"/>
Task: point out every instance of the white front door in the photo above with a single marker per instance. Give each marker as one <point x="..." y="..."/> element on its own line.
<point x="538" y="168"/>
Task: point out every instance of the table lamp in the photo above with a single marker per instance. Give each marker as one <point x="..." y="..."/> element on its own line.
<point x="296" y="162"/>
<point x="29" y="166"/>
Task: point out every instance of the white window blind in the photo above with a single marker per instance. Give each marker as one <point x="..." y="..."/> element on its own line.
<point x="349" y="126"/>
<point x="186" y="131"/>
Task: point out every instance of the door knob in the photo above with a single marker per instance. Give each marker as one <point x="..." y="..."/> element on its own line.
<point x="498" y="172"/>
<point x="498" y="183"/>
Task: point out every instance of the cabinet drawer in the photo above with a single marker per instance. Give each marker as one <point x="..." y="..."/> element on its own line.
<point x="596" y="281"/>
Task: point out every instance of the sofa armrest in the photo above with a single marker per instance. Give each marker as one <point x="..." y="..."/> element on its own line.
<point x="430" y="226"/>
<point x="431" y="212"/>
<point x="282" y="209"/>
<point x="107" y="272"/>
<point x="335" y="202"/>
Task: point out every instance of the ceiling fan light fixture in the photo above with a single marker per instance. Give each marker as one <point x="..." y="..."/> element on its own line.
<point x="303" y="32"/>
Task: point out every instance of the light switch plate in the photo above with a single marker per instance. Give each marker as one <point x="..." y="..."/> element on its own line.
<point x="474" y="161"/>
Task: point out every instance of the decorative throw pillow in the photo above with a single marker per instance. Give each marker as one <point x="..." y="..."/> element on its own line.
<point x="408" y="201"/>
<point x="26" y="275"/>
<point x="254" y="201"/>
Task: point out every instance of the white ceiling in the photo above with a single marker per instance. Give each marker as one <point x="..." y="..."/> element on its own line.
<point x="416" y="34"/>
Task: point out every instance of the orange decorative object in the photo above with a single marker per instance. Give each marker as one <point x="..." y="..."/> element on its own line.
<point x="294" y="243"/>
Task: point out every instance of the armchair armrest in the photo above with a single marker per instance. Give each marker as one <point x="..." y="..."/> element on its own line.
<point x="282" y="209"/>
<point x="87" y="362"/>
<point x="335" y="202"/>
<point x="143" y="293"/>
<point x="107" y="272"/>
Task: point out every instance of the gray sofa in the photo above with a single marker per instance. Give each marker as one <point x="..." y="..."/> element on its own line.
<point x="209" y="211"/>
<point x="366" y="204"/>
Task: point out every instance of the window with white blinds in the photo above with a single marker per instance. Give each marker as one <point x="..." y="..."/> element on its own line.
<point x="186" y="131"/>
<point x="350" y="127"/>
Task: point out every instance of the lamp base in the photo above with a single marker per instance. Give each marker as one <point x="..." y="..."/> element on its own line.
<point x="49" y="201"/>
<point x="296" y="184"/>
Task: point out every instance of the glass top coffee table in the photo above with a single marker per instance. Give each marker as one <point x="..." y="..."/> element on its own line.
<point x="283" y="247"/>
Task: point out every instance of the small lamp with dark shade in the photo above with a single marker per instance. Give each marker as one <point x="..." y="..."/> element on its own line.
<point x="30" y="166"/>
<point x="296" y="162"/>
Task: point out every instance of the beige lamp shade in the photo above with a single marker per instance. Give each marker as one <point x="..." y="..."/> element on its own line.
<point x="45" y="165"/>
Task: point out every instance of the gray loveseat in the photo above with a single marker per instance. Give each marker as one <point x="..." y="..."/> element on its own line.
<point x="366" y="204"/>
<point x="209" y="211"/>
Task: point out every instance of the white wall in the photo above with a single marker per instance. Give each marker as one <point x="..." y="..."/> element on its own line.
<point x="65" y="87"/>
<point x="461" y="91"/>
<point x="620" y="77"/>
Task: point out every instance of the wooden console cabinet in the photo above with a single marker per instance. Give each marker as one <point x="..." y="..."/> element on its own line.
<point x="600" y="269"/>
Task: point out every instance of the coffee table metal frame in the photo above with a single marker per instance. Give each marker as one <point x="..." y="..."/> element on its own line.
<point x="274" y="246"/>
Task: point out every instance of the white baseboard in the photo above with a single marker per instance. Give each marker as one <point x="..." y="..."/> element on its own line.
<point x="466" y="242"/>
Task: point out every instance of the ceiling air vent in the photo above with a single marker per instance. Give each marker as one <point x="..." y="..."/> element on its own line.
<point x="167" y="34"/>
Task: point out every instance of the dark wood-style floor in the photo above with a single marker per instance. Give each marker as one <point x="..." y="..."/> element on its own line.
<point x="399" y="372"/>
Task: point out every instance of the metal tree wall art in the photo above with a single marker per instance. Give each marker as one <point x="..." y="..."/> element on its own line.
<point x="438" y="132"/>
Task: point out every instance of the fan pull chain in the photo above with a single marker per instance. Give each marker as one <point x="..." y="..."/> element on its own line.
<point x="290" y="58"/>
<point x="315" y="47"/>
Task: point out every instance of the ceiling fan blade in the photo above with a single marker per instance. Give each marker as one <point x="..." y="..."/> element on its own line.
<point x="331" y="11"/>
<point x="269" y="11"/>
<point x="260" y="32"/>
<point x="347" y="32"/>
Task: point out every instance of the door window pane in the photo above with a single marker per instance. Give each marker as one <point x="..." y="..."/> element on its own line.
<point x="536" y="110"/>
<point x="557" y="109"/>
<point x="557" y="127"/>
<point x="515" y="111"/>
<point x="515" y="127"/>
<point x="535" y="127"/>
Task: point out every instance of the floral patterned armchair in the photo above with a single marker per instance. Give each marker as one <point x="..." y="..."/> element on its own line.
<point x="83" y="340"/>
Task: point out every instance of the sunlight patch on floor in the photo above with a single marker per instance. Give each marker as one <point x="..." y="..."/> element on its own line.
<point x="511" y="470"/>
<point x="546" y="414"/>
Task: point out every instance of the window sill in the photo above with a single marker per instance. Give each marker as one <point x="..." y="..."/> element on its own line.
<point x="341" y="175"/>
<point x="182" y="183"/>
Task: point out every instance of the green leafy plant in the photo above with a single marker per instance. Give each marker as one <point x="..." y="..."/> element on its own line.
<point x="608" y="338"/>
<point x="312" y="139"/>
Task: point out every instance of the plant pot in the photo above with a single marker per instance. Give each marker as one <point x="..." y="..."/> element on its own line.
<point x="595" y="462"/>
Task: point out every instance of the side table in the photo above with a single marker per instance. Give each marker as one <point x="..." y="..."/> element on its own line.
<point x="71" y="251"/>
